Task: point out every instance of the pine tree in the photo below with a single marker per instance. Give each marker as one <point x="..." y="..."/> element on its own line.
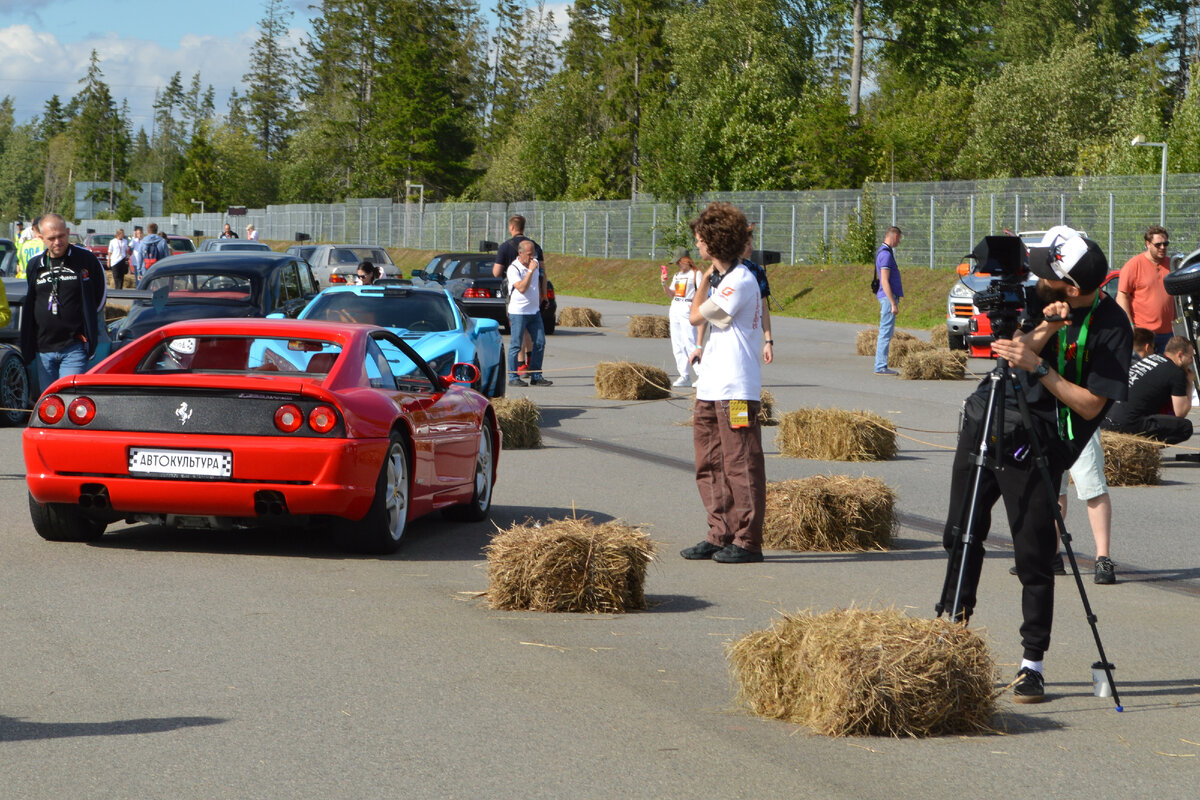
<point x="271" y="81"/>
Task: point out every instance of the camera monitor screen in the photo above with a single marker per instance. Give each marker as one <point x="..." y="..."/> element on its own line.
<point x="1000" y="255"/>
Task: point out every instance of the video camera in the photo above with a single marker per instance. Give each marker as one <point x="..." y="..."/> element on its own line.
<point x="1007" y="300"/>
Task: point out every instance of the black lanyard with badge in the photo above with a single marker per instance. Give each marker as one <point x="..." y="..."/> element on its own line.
<point x="55" y="272"/>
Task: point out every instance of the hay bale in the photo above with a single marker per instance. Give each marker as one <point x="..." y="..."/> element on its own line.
<point x="865" y="341"/>
<point x="1130" y="460"/>
<point x="649" y="327"/>
<point x="518" y="418"/>
<point x="833" y="434"/>
<point x="858" y="672"/>
<point x="625" y="380"/>
<point x="766" y="411"/>
<point x="574" y="317"/>
<point x="939" y="336"/>
<point x="568" y="565"/>
<point x="832" y="513"/>
<point x="934" y="365"/>
<point x="902" y="348"/>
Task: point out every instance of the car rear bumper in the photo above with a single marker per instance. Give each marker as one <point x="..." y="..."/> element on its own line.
<point x="313" y="476"/>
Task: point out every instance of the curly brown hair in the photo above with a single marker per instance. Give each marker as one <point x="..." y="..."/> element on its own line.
<point x="723" y="229"/>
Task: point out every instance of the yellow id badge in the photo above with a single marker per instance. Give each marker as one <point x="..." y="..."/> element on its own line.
<point x="739" y="414"/>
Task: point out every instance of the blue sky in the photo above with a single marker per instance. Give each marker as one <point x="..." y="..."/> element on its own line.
<point x="45" y="46"/>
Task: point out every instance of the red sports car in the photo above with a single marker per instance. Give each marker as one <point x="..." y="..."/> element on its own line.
<point x="230" y="423"/>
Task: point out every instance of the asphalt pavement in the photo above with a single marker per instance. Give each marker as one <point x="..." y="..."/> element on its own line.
<point x="162" y="663"/>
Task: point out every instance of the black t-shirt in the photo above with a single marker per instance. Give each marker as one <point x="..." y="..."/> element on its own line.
<point x="1105" y="370"/>
<point x="59" y="306"/>
<point x="1153" y="381"/>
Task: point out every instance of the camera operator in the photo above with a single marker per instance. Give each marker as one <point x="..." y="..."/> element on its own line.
<point x="1071" y="366"/>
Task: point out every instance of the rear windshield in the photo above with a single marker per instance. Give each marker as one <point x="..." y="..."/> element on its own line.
<point x="102" y="238"/>
<point x="182" y="245"/>
<point x="207" y="286"/>
<point x="353" y="255"/>
<point x="240" y="354"/>
<point x="417" y="312"/>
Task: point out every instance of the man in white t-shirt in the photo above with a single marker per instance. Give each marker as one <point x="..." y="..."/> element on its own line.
<point x="118" y="258"/>
<point x="524" y="315"/>
<point x="730" y="469"/>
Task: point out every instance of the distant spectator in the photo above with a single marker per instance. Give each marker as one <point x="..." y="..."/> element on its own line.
<point x="135" y="254"/>
<point x="1140" y="290"/>
<point x="228" y="233"/>
<point x="1143" y="342"/>
<point x="154" y="247"/>
<point x="251" y="234"/>
<point x="889" y="294"/>
<point x="118" y="258"/>
<point x="368" y="273"/>
<point x="1158" y="383"/>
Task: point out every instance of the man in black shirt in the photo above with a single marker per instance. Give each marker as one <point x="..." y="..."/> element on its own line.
<point x="1070" y="367"/>
<point x="506" y="255"/>
<point x="60" y="324"/>
<point x="1154" y="383"/>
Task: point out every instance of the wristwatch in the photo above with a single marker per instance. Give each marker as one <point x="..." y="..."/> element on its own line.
<point x="1040" y="371"/>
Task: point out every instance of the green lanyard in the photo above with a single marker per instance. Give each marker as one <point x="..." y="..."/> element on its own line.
<point x="1076" y="349"/>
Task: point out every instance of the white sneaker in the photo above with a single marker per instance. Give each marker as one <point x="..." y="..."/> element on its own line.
<point x="682" y="381"/>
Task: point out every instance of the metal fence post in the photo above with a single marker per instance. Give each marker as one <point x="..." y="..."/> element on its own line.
<point x="793" y="235"/>
<point x="564" y="231"/>
<point x="893" y="209"/>
<point x="654" y="231"/>
<point x="629" y="233"/>
<point x="1017" y="218"/>
<point x="992" y="215"/>
<point x="1111" y="223"/>
<point x="606" y="231"/>
<point x="825" y="226"/>
<point x="585" y="234"/>
<point x="1062" y="209"/>
<point x="971" y="233"/>
<point x="931" y="231"/>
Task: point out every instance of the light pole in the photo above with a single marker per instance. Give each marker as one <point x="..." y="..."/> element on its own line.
<point x="1140" y="141"/>
<point x="201" y="204"/>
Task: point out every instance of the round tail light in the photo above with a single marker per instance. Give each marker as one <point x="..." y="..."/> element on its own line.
<point x="81" y="411"/>
<point x="322" y="419"/>
<point x="289" y="418"/>
<point x="51" y="409"/>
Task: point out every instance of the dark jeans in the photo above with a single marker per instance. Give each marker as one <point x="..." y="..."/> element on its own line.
<point x="1029" y="504"/>
<point x="730" y="474"/>
<point x="119" y="271"/>
<point x="517" y="325"/>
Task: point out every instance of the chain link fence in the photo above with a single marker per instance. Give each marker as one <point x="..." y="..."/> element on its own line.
<point x="941" y="221"/>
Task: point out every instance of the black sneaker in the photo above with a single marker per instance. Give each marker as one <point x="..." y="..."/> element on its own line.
<point x="541" y="382"/>
<point x="700" y="551"/>
<point x="1106" y="573"/>
<point x="1059" y="567"/>
<point x="732" y="554"/>
<point x="516" y="382"/>
<point x="1030" y="686"/>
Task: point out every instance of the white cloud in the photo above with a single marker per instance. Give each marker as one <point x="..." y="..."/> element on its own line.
<point x="37" y="65"/>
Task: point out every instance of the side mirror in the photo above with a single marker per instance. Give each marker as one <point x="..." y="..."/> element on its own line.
<point x="463" y="372"/>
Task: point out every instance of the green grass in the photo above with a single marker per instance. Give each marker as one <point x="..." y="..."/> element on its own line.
<point x="836" y="292"/>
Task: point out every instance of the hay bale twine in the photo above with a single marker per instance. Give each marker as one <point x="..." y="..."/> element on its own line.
<point x="650" y="327"/>
<point x="625" y="380"/>
<point x="934" y="365"/>
<point x="575" y="317"/>
<point x="865" y="341"/>
<point x="834" y="434"/>
<point x="568" y="565"/>
<point x="833" y="513"/>
<point x="857" y="672"/>
<point x="518" y="418"/>
<point x="1130" y="460"/>
<point x="939" y="336"/>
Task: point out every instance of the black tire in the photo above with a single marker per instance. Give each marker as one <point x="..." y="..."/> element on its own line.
<point x="381" y="530"/>
<point x="59" y="522"/>
<point x="14" y="390"/>
<point x="1183" y="281"/>
<point x="478" y="384"/>
<point x="485" y="478"/>
<point x="549" y="323"/>
<point x="958" y="341"/>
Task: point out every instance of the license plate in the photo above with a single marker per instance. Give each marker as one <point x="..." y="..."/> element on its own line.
<point x="181" y="463"/>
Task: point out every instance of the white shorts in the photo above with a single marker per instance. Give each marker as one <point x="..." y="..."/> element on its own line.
<point x="1088" y="471"/>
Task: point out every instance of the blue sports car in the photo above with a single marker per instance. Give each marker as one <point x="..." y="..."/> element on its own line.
<point x="428" y="319"/>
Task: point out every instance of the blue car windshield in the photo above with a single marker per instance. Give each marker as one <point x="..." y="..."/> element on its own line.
<point x="417" y="312"/>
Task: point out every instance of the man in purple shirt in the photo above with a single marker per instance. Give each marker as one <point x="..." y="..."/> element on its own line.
<point x="889" y="294"/>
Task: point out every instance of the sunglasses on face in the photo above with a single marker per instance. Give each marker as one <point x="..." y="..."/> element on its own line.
<point x="1160" y="244"/>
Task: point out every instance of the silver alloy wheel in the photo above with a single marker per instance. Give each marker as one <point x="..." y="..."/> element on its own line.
<point x="483" y="470"/>
<point x="396" y="500"/>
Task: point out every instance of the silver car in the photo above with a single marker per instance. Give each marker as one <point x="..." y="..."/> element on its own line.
<point x="337" y="264"/>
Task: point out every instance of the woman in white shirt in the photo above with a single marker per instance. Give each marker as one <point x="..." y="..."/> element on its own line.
<point x="681" y="290"/>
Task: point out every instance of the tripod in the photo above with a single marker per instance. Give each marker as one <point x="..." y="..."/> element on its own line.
<point x="966" y="550"/>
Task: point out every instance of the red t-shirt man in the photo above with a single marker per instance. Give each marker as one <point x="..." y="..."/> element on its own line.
<point x="1140" y="290"/>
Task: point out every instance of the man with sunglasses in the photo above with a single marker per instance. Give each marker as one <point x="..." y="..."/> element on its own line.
<point x="1071" y="367"/>
<point x="1140" y="290"/>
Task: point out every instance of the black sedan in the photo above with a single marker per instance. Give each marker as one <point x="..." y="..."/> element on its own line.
<point x="218" y="284"/>
<point x="469" y="280"/>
